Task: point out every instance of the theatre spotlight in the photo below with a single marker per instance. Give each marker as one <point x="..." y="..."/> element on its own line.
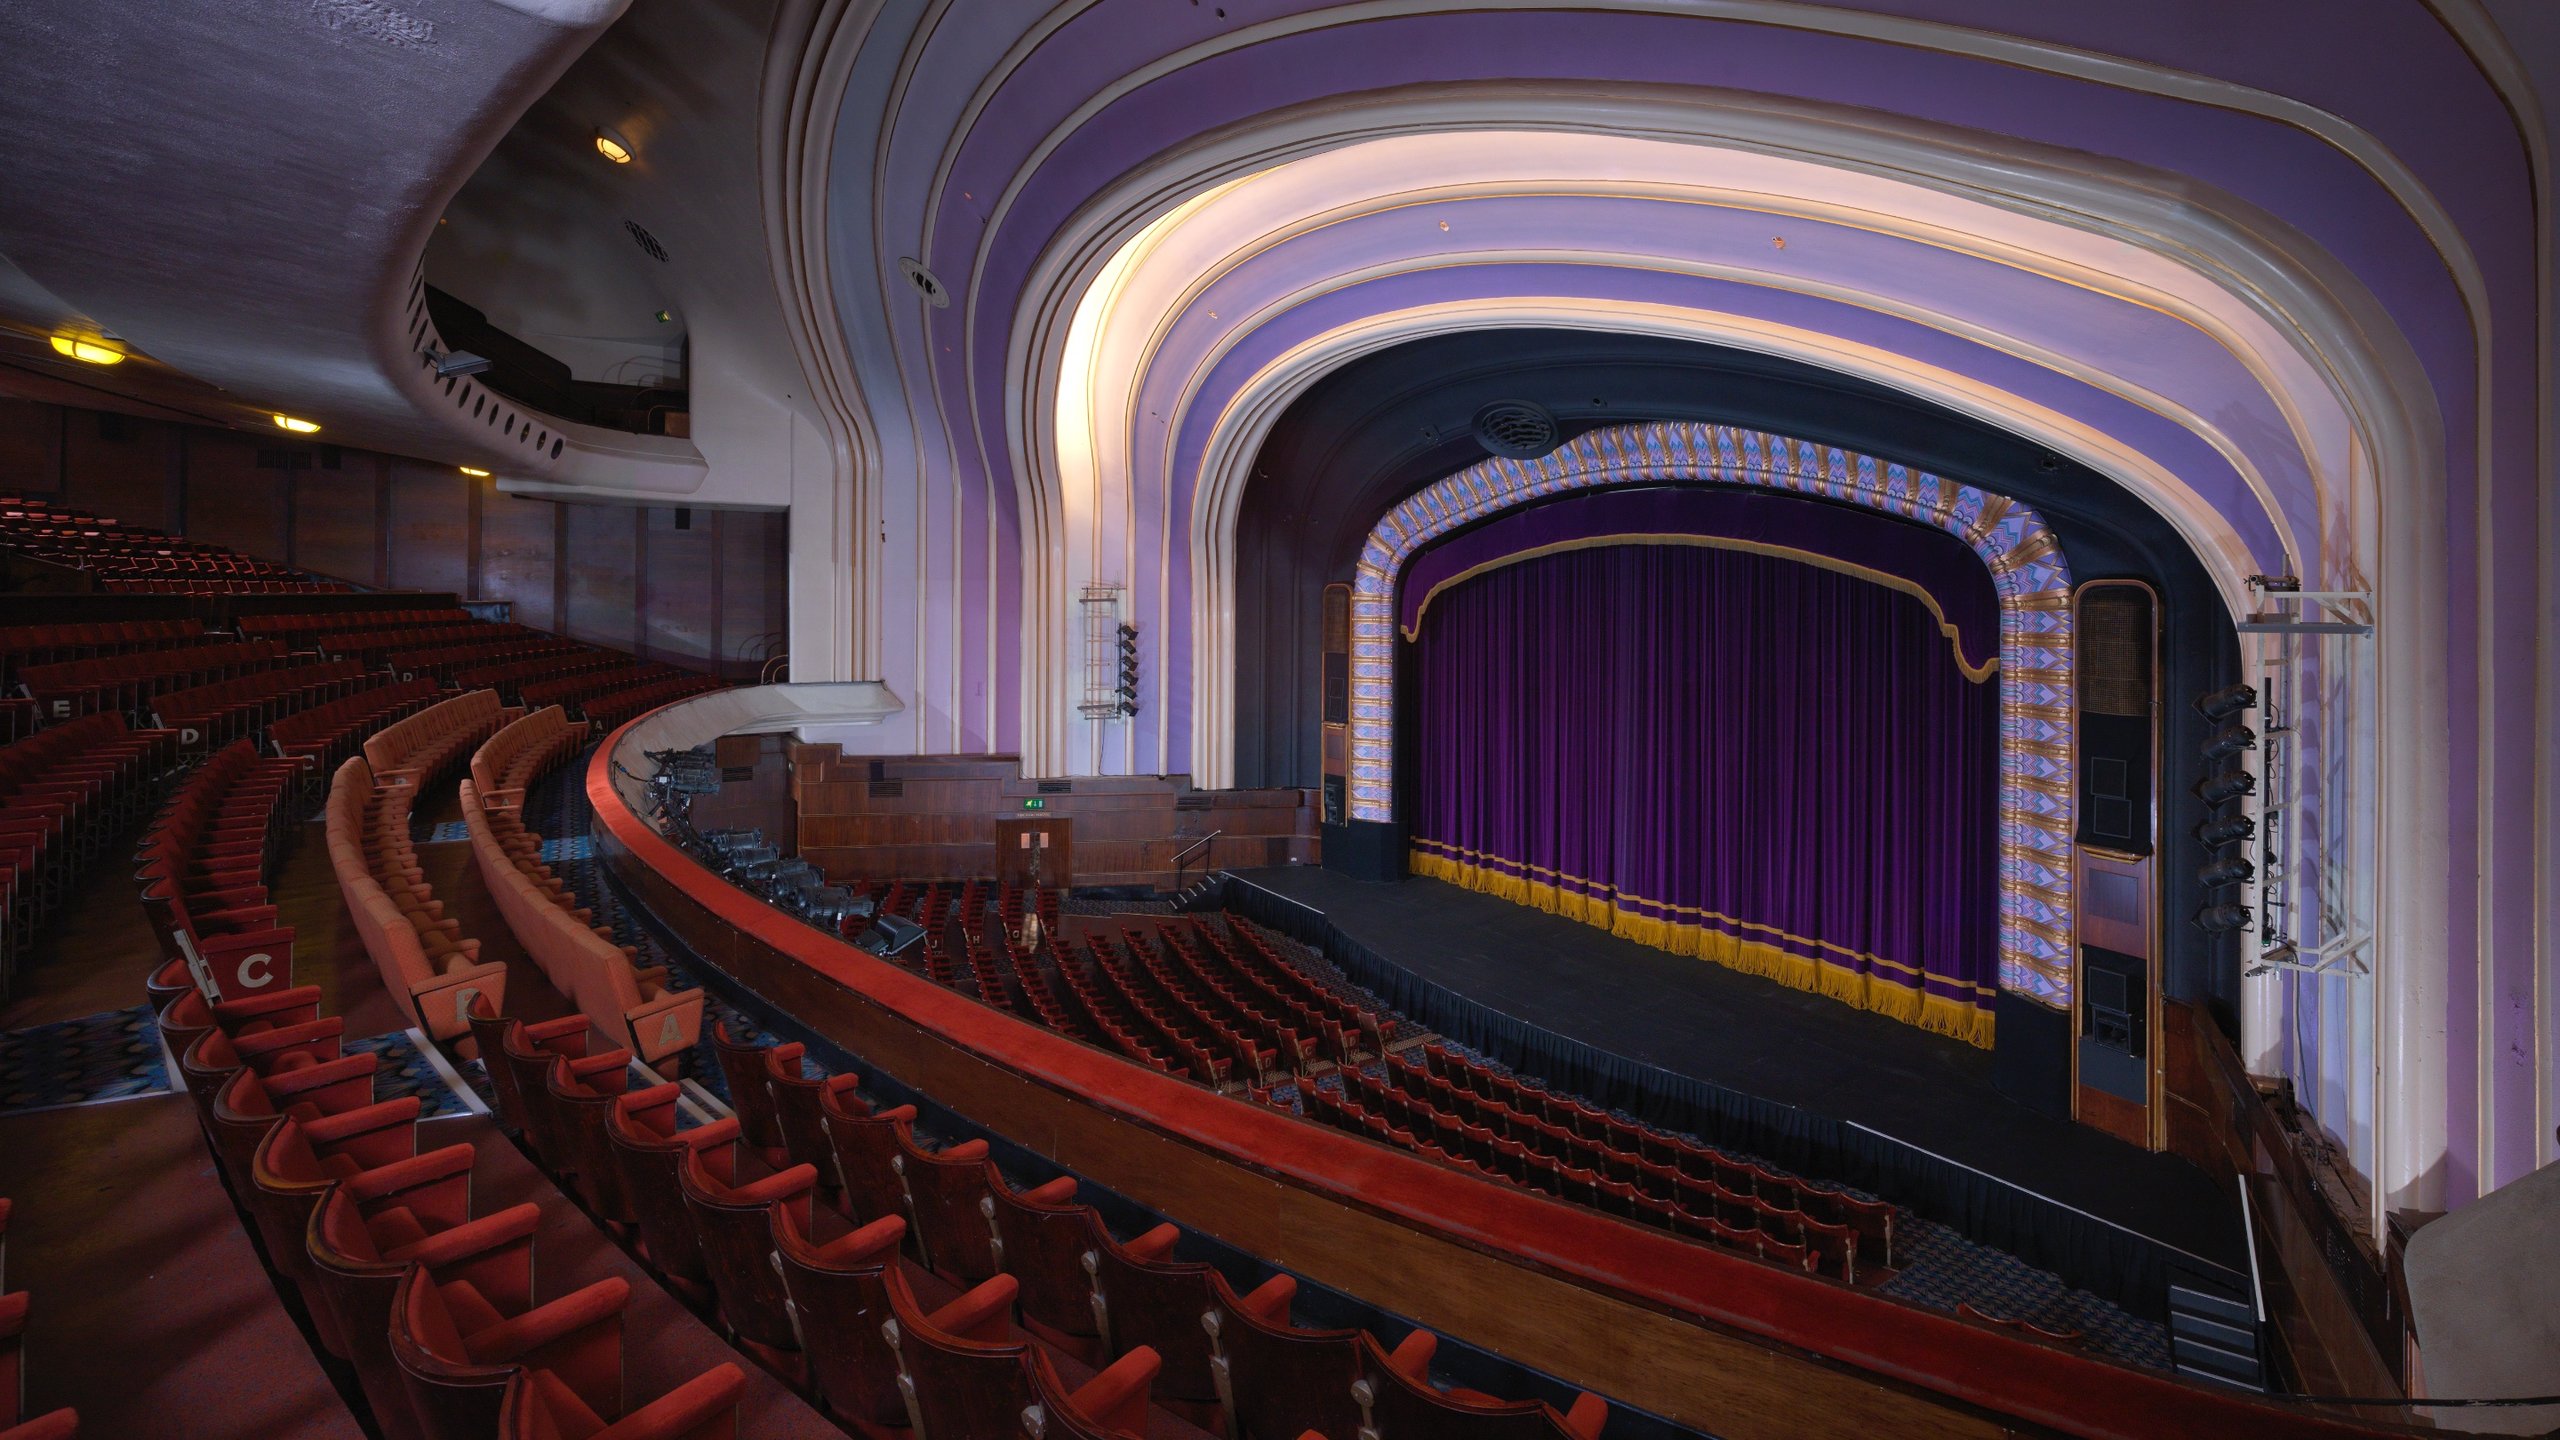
<point x="2223" y="918"/>
<point x="2226" y="702"/>
<point x="2217" y="873"/>
<point x="2228" y="786"/>
<point x="1128" y="690"/>
<point x="2230" y="740"/>
<point x="2217" y="833"/>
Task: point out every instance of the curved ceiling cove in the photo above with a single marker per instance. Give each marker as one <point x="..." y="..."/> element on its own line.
<point x="2219" y="264"/>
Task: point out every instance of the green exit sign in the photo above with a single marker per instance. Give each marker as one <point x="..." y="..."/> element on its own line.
<point x="1035" y="804"/>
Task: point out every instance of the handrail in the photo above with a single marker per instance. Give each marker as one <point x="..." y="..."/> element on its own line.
<point x="1182" y="857"/>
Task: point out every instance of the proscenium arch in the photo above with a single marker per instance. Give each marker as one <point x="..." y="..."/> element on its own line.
<point x="2344" y="352"/>
<point x="2038" y="945"/>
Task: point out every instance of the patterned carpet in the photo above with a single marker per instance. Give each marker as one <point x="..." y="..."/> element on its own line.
<point x="114" y="1055"/>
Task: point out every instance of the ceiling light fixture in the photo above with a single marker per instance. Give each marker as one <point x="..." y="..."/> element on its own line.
<point x="298" y="427"/>
<point x="88" y="352"/>
<point x="612" y="146"/>
<point x="475" y="472"/>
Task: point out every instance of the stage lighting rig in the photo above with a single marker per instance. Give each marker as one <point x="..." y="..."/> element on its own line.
<point x="2226" y="787"/>
<point x="1128" y="652"/>
<point x="2229" y="741"/>
<point x="2235" y="871"/>
<point x="2222" y="918"/>
<point x="2230" y="700"/>
<point x="2230" y="830"/>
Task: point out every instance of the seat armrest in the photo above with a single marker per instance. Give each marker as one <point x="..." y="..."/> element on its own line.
<point x="1588" y="1415"/>
<point x="435" y="1187"/>
<point x="1117" y="1398"/>
<point x="1269" y="1301"/>
<point x="984" y="1314"/>
<point x="1412" y="1356"/>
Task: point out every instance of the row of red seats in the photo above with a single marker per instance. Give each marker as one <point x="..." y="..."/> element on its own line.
<point x="205" y="863"/>
<point x="325" y="736"/>
<point x="379" y="646"/>
<point x="1044" y="1275"/>
<point x="15" y="1422"/>
<point x="20" y="717"/>
<point x="128" y="682"/>
<point x="63" y="792"/>
<point x="1500" y="1133"/>
<point x="536" y="663"/>
<point x="226" y="710"/>
<point x="209" y="586"/>
<point x="580" y="957"/>
<point x="610" y="707"/>
<point x="443" y="661"/>
<point x="435" y="1308"/>
<point x="430" y="967"/>
<point x="300" y="624"/>
<point x="24" y="645"/>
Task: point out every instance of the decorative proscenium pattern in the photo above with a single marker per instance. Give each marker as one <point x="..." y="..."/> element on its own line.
<point x="2027" y="570"/>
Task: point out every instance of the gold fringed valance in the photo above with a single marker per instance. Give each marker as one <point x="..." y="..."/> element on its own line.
<point x="1910" y="1004"/>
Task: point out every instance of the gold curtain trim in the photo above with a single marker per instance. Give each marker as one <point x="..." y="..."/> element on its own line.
<point x="1908" y="1004"/>
<point x="1699" y="911"/>
<point x="1955" y="642"/>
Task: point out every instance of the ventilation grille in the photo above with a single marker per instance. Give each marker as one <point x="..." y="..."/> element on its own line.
<point x="641" y="237"/>
<point x="1518" y="429"/>
<point x="1057" y="787"/>
<point x="2115" y="651"/>
<point x="888" y="789"/>
<point x="1192" y="802"/>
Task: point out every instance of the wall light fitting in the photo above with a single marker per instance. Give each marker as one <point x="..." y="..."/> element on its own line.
<point x="474" y="471"/>
<point x="298" y="427"/>
<point x="612" y="146"/>
<point x="88" y="352"/>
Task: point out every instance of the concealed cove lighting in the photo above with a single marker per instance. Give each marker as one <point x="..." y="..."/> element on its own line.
<point x="612" y="147"/>
<point x="298" y="427"/>
<point x="475" y="472"/>
<point x="88" y="352"/>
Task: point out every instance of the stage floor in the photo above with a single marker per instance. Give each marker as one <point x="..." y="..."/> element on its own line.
<point x="1699" y="1019"/>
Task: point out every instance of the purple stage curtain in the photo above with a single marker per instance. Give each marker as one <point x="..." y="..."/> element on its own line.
<point x="1756" y="760"/>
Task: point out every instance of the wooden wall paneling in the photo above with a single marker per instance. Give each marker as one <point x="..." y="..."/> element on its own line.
<point x="751" y="620"/>
<point x="517" y="563"/>
<point x="334" y="521"/>
<point x="31" y="448"/>
<point x="684" y="588"/>
<point x="131" y="479"/>
<point x="599" y="564"/>
<point x="429" y="529"/>
<point x="231" y="500"/>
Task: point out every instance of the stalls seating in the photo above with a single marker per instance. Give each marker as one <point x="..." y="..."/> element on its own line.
<point x="1276" y="1381"/>
<point x="839" y="1302"/>
<point x="864" y="1144"/>
<point x="651" y="1153"/>
<point x="630" y="1004"/>
<point x="431" y="972"/>
<point x="733" y="1223"/>
<point x="1144" y="1298"/>
<point x="944" y="1189"/>
<point x="1399" y="1402"/>
<point x="458" y="1347"/>
<point x="539" y="1405"/>
<point x="1041" y="1238"/>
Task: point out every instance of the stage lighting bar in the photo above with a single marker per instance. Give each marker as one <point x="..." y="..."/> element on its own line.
<point x="2235" y="871"/>
<point x="2223" y="918"/>
<point x="2231" y="830"/>
<point x="2226" y="787"/>
<point x="2230" y="740"/>
<point x="1128" y="689"/>
<point x="2227" y="702"/>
